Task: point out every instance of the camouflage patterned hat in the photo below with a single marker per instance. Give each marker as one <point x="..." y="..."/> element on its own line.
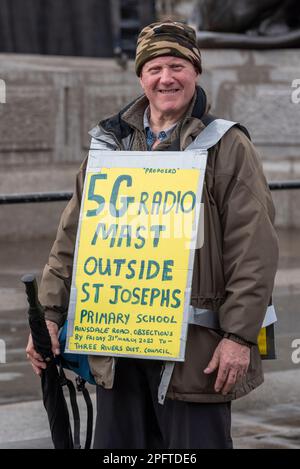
<point x="167" y="38"/>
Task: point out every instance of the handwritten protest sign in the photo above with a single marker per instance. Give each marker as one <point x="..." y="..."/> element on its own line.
<point x="133" y="263"/>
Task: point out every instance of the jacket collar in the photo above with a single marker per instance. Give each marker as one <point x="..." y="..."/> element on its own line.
<point x="120" y="125"/>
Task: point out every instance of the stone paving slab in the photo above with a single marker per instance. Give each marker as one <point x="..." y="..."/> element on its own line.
<point x="278" y="427"/>
<point x="260" y="420"/>
<point x="25" y="425"/>
<point x="38" y="443"/>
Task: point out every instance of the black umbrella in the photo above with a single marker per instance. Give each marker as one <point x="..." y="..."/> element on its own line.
<point x="51" y="380"/>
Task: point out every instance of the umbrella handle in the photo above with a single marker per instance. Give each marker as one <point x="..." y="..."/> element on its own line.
<point x="29" y="281"/>
<point x="36" y="315"/>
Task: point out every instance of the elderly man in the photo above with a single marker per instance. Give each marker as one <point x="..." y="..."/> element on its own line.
<point x="233" y="272"/>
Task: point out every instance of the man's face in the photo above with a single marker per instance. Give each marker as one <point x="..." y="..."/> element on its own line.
<point x="169" y="84"/>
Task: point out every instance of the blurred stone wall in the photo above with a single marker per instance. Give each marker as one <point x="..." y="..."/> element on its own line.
<point x="255" y="89"/>
<point x="72" y="27"/>
<point x="179" y="10"/>
<point x="52" y="102"/>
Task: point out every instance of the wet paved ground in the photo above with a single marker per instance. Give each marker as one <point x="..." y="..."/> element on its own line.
<point x="269" y="418"/>
<point x="278" y="427"/>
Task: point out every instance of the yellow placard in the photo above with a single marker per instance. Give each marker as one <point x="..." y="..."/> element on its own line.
<point x="133" y="264"/>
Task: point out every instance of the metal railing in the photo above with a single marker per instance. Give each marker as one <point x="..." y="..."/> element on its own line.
<point x="8" y="199"/>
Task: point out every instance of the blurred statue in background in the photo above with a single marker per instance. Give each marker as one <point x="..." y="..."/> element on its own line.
<point x="260" y="24"/>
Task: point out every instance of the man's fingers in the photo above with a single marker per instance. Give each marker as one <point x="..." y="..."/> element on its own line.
<point x="241" y="374"/>
<point x="230" y="382"/>
<point x="31" y="352"/>
<point x="227" y="378"/>
<point x="37" y="370"/>
<point x="55" y="344"/>
<point x="35" y="358"/>
<point x="53" y="332"/>
<point x="36" y="364"/>
<point x="213" y="364"/>
<point x="233" y="364"/>
<point x="221" y="378"/>
<point x="29" y="347"/>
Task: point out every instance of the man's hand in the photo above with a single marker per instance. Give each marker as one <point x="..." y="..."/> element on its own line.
<point x="37" y="362"/>
<point x="233" y="360"/>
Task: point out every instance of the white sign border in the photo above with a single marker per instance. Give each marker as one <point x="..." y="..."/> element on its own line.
<point x="100" y="159"/>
